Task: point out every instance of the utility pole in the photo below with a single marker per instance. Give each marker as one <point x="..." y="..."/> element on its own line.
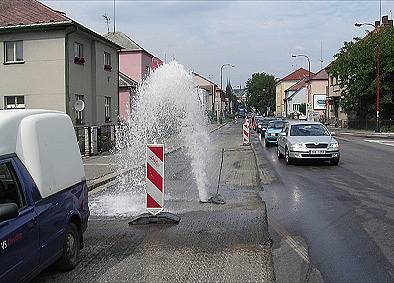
<point x="114" y="16"/>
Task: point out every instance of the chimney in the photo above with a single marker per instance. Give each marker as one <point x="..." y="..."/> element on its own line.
<point x="385" y="20"/>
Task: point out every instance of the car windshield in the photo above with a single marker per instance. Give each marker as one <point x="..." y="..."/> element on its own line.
<point x="276" y="125"/>
<point x="308" y="130"/>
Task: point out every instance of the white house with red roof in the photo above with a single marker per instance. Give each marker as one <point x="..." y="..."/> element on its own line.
<point x="286" y="82"/>
<point x="295" y="95"/>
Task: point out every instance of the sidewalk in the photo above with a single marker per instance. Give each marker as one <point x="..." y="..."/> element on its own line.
<point x="101" y="169"/>
<point x="212" y="243"/>
<point x="360" y="133"/>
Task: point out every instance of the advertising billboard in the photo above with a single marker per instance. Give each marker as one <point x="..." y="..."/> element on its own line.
<point x="319" y="102"/>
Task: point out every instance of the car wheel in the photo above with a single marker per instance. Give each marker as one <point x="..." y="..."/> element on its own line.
<point x="71" y="248"/>
<point x="280" y="155"/>
<point x="334" y="162"/>
<point x="267" y="144"/>
<point x="288" y="159"/>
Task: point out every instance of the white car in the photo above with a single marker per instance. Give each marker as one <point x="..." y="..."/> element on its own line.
<point x="307" y="140"/>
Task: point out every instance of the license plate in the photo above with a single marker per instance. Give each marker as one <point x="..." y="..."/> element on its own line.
<point x="317" y="152"/>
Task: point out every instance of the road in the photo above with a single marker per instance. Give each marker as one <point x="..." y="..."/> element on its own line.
<point x="211" y="243"/>
<point x="338" y="219"/>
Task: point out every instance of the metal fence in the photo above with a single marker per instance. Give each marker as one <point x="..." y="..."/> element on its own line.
<point x="105" y="138"/>
<point x="94" y="140"/>
<point x="370" y="124"/>
<point x="80" y="133"/>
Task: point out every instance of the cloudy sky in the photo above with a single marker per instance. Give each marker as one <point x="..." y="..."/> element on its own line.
<point x="256" y="36"/>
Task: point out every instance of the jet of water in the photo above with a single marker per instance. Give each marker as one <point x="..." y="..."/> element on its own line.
<point x="167" y="110"/>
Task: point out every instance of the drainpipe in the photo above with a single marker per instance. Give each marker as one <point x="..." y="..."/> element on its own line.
<point x="67" y="69"/>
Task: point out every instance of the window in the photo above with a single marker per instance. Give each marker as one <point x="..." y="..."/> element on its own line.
<point x="14" y="102"/>
<point x="107" y="61"/>
<point x="296" y="107"/>
<point x="78" y="53"/>
<point x="10" y="191"/>
<point x="79" y="114"/>
<point x="147" y="70"/>
<point x="13" y="51"/>
<point x="107" y="109"/>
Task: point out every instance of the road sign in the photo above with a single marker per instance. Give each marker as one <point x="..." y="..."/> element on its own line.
<point x="245" y="127"/>
<point x="154" y="178"/>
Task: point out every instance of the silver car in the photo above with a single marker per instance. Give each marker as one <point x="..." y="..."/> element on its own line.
<point x="307" y="140"/>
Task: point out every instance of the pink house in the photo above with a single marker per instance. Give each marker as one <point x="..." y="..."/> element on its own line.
<point x="134" y="61"/>
<point x="135" y="64"/>
<point x="127" y="92"/>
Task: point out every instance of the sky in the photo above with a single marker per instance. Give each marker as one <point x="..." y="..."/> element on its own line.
<point x="255" y="36"/>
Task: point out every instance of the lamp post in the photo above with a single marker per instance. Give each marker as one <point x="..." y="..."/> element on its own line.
<point x="378" y="52"/>
<point x="309" y="79"/>
<point x="221" y="88"/>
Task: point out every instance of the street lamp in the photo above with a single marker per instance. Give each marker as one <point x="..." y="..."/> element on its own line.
<point x="376" y="27"/>
<point x="309" y="75"/>
<point x="221" y="84"/>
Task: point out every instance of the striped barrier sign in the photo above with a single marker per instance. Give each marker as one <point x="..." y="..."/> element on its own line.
<point x="245" y="127"/>
<point x="154" y="178"/>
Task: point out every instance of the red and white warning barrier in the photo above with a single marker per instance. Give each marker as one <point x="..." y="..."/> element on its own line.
<point x="246" y="133"/>
<point x="154" y="178"/>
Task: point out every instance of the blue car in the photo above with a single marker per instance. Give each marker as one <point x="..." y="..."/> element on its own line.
<point x="272" y="132"/>
<point x="43" y="195"/>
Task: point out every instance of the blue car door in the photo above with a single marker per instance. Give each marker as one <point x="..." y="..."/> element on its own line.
<point x="19" y="237"/>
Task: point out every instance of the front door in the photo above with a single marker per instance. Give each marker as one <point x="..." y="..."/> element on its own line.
<point x="19" y="237"/>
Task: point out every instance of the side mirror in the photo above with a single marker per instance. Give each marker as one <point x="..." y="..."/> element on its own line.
<point x="8" y="211"/>
<point x="333" y="134"/>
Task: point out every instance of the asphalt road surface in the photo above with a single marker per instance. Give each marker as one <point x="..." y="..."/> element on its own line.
<point x="338" y="219"/>
<point x="227" y="242"/>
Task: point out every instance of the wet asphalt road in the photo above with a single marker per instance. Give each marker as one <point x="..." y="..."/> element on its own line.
<point x="212" y="243"/>
<point x="343" y="215"/>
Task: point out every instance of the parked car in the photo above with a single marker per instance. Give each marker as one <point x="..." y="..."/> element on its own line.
<point x="263" y="124"/>
<point x="43" y="194"/>
<point x="256" y="121"/>
<point x="274" y="128"/>
<point x="307" y="140"/>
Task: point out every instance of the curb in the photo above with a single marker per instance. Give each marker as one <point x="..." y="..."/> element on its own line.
<point x="98" y="182"/>
<point x="365" y="135"/>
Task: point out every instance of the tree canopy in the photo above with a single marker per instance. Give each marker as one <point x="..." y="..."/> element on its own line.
<point x="355" y="66"/>
<point x="261" y="91"/>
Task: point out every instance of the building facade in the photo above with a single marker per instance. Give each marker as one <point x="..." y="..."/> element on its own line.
<point x="317" y="92"/>
<point x="50" y="62"/>
<point x="335" y="114"/>
<point x="285" y="83"/>
<point x="295" y="96"/>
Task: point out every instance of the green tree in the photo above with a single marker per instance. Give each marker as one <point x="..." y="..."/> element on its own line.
<point x="231" y="96"/>
<point x="261" y="91"/>
<point x="355" y="66"/>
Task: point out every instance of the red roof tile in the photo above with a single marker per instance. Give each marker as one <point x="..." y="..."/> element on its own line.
<point x="297" y="86"/>
<point x="321" y="75"/>
<point x="297" y="75"/>
<point x="28" y="12"/>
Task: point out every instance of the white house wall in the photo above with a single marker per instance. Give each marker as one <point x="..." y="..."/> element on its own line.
<point x="41" y="78"/>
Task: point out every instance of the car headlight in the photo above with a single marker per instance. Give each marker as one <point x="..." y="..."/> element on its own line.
<point x="333" y="146"/>
<point x="298" y="146"/>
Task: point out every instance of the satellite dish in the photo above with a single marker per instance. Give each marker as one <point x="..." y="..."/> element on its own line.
<point x="79" y="105"/>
